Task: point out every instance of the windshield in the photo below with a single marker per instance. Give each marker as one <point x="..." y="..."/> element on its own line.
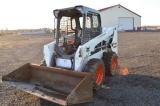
<point x="69" y="33"/>
<point x="65" y="26"/>
<point x="69" y="28"/>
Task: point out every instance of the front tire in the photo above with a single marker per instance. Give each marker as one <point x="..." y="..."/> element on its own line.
<point x="96" y="66"/>
<point x="110" y="62"/>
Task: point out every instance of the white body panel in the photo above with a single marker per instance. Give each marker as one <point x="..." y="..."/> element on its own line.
<point x="48" y="52"/>
<point x="81" y="61"/>
<point x="63" y="63"/>
<point x="82" y="55"/>
<point x="114" y="44"/>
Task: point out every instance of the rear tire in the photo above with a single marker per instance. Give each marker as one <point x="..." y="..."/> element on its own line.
<point x="110" y="62"/>
<point x="96" y="66"/>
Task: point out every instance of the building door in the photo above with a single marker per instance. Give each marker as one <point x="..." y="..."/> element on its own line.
<point x="125" y="23"/>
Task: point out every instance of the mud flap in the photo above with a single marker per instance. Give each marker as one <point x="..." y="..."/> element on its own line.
<point x="61" y="86"/>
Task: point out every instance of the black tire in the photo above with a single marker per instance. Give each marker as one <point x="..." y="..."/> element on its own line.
<point x="53" y="64"/>
<point x="110" y="62"/>
<point x="97" y="67"/>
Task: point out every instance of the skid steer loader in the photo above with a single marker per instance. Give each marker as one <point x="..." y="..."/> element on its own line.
<point x="75" y="64"/>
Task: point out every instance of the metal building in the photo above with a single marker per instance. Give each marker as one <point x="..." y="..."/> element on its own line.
<point x="124" y="18"/>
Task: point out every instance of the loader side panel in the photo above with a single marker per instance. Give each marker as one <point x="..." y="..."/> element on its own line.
<point x="48" y="52"/>
<point x="114" y="44"/>
<point x="95" y="47"/>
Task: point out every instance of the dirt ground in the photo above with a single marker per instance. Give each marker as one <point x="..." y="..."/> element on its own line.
<point x="138" y="51"/>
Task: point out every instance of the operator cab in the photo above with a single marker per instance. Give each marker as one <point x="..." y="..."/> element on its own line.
<point x="76" y="26"/>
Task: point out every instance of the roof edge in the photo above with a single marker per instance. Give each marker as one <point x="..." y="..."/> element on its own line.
<point x="103" y="9"/>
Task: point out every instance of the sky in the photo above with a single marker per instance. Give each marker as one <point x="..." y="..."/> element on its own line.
<point x="23" y="14"/>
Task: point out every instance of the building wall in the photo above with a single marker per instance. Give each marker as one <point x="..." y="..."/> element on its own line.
<point x="32" y="32"/>
<point x="110" y="16"/>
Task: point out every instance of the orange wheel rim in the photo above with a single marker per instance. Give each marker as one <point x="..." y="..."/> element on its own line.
<point x="99" y="75"/>
<point x="114" y="64"/>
